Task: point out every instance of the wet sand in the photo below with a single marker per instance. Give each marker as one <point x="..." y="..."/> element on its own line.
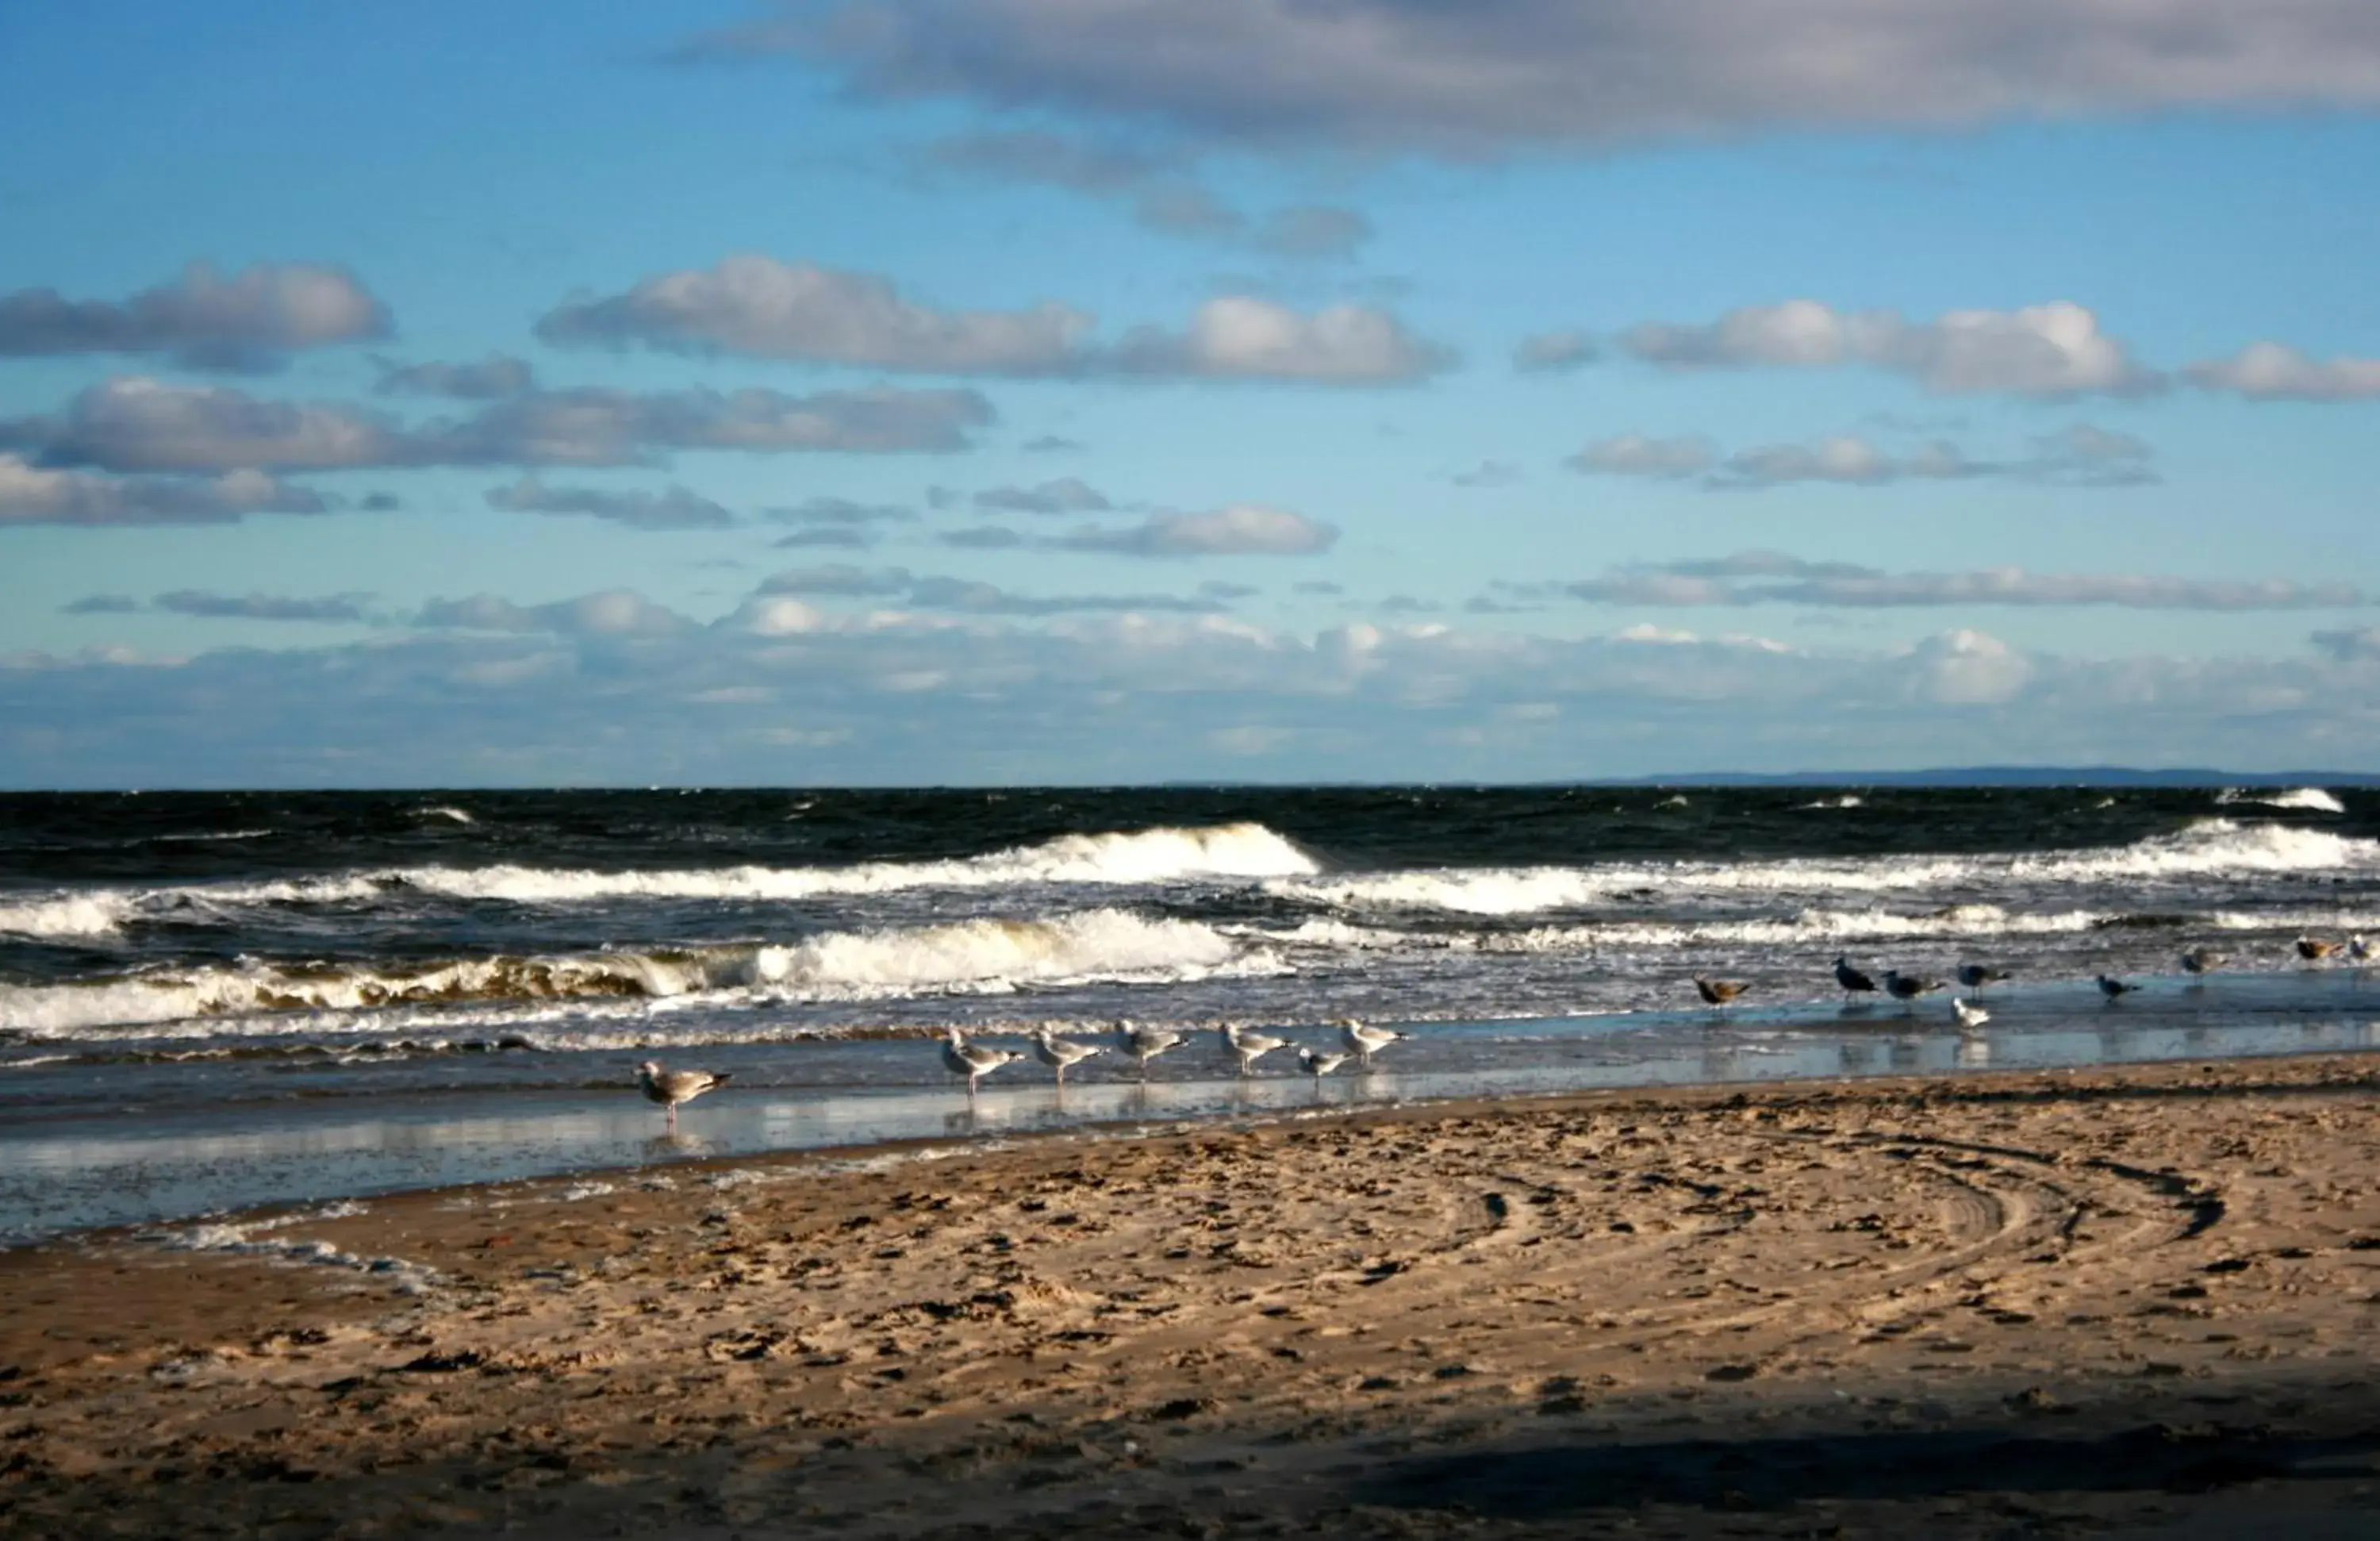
<point x="2137" y="1300"/>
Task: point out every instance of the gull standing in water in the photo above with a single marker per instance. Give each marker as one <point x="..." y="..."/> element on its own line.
<point x="2115" y="989"/>
<point x="1852" y="979"/>
<point x="2201" y="960"/>
<point x="973" y="1060"/>
<point x="1976" y="976"/>
<point x="1144" y="1044"/>
<point x="1060" y="1053"/>
<point x="1969" y="1016"/>
<point x="670" y="1087"/>
<point x="2315" y="950"/>
<point x="1249" y="1046"/>
<point x="1318" y="1065"/>
<point x="1719" y="992"/>
<point x="1365" y="1041"/>
<point x="1906" y="988"/>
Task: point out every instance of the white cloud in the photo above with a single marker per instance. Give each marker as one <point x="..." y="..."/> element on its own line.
<point x="1242" y="529"/>
<point x="1554" y="352"/>
<point x="754" y="304"/>
<point x="1770" y="578"/>
<point x="1241" y="337"/>
<point x="672" y="508"/>
<point x="2051" y="350"/>
<point x="1396" y="75"/>
<point x="1065" y="495"/>
<point x="138" y="424"/>
<point x="32" y="495"/>
<point x="617" y="613"/>
<point x="2080" y="456"/>
<point x="2270" y="372"/>
<point x="250" y="319"/>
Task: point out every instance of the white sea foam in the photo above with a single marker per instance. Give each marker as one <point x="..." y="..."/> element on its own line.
<point x="971" y="956"/>
<point x="2213" y="847"/>
<point x="1848" y="800"/>
<point x="457" y="815"/>
<point x="2309" y="799"/>
<point x="69" y="915"/>
<point x="1163" y="855"/>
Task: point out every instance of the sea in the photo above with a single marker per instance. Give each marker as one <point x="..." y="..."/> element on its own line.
<point x="214" y="1001"/>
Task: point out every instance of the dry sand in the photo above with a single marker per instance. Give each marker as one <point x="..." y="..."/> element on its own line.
<point x="2128" y="1301"/>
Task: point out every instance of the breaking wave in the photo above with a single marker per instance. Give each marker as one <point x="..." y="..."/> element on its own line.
<point x="972" y="956"/>
<point x="73" y="915"/>
<point x="2209" y="847"/>
<point x="2307" y="799"/>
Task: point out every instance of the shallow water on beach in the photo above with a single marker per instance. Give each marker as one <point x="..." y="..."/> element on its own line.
<point x="211" y="1000"/>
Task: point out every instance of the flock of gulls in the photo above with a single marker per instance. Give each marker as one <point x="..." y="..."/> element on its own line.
<point x="1359" y="1041"/>
<point x="2358" y="950"/>
<point x="1144" y="1043"/>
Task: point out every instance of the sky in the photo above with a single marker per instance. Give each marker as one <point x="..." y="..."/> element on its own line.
<point x="964" y="391"/>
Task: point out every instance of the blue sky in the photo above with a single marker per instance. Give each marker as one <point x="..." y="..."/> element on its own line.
<point x="957" y="391"/>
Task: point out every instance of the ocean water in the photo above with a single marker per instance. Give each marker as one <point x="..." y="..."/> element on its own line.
<point x="216" y="999"/>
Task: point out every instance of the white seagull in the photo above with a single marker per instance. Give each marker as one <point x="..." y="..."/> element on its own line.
<point x="973" y="1060"/>
<point x="670" y="1087"/>
<point x="1364" y="1042"/>
<point x="1249" y="1046"/>
<point x="1969" y="1016"/>
<point x="1318" y="1065"/>
<point x="1144" y="1044"/>
<point x="1059" y="1053"/>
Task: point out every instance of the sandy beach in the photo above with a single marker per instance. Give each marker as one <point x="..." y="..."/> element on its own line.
<point x="2135" y="1300"/>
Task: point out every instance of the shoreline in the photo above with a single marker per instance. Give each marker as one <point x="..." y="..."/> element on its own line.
<point x="1891" y="1302"/>
<point x="169" y="1147"/>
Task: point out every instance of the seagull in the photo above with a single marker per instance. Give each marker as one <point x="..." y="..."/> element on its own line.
<point x="670" y="1087"/>
<point x="1852" y="979"/>
<point x="973" y="1060"/>
<point x="1318" y="1065"/>
<point x="2362" y="951"/>
<point x="1144" y="1044"/>
<point x="2201" y="960"/>
<point x="1058" y="1053"/>
<point x="1905" y="986"/>
<point x="1719" y="992"/>
<point x="2115" y="989"/>
<point x="1249" y="1046"/>
<point x="1976" y="975"/>
<point x="1969" y="1016"/>
<point x="2313" y="949"/>
<point x="1364" y="1042"/>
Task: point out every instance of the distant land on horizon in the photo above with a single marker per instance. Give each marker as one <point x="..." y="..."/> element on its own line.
<point x="2014" y="775"/>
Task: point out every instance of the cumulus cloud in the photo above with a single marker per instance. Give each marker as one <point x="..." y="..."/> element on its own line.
<point x="617" y="613"/>
<point x="248" y="321"/>
<point x="2082" y="456"/>
<point x="1554" y="352"/>
<point x="2040" y="350"/>
<point x="672" y="508"/>
<point x="32" y="495"/>
<point x="2270" y="372"/>
<point x="1771" y="578"/>
<point x="838" y="511"/>
<point x="495" y="376"/>
<point x="755" y="305"/>
<point x="926" y="591"/>
<point x="898" y="698"/>
<point x="1238" y="336"/>
<point x="1242" y="529"/>
<point x="137" y="424"/>
<point x="1393" y="75"/>
<point x="1067" y="495"/>
<point x="260" y="607"/>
